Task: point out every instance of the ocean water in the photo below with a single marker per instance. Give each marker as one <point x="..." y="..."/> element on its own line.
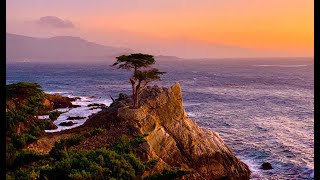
<point x="263" y="109"/>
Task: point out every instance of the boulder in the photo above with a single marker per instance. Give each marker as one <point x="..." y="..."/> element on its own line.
<point x="73" y="106"/>
<point x="68" y="123"/>
<point x="266" y="166"/>
<point x="59" y="101"/>
<point x="75" y="118"/>
<point x="96" y="105"/>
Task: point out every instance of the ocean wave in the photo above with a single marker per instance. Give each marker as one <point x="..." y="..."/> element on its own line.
<point x="82" y="111"/>
<point x="59" y="92"/>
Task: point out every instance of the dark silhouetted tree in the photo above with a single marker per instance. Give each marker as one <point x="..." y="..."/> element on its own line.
<point x="139" y="63"/>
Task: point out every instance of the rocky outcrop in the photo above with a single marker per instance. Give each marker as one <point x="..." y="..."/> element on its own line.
<point x="67" y="123"/>
<point x="75" y="118"/>
<point x="177" y="141"/>
<point x="266" y="166"/>
<point x="55" y="101"/>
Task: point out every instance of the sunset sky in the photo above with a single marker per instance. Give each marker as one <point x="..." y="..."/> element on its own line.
<point x="184" y="28"/>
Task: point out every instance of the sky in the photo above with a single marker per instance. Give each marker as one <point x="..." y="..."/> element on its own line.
<point x="184" y="28"/>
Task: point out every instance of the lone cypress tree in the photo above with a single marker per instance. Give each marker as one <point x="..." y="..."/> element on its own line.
<point x="139" y="63"/>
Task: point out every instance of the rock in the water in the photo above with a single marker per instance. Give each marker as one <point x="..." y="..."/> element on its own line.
<point x="266" y="166"/>
<point x="73" y="106"/>
<point x="97" y="105"/>
<point x="75" y="118"/>
<point x="59" y="101"/>
<point x="68" y="123"/>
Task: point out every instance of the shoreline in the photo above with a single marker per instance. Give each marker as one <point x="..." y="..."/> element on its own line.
<point x="84" y="110"/>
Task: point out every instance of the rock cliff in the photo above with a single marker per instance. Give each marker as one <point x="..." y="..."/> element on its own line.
<point x="177" y="141"/>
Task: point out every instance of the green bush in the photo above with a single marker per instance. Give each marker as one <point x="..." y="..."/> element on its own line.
<point x="9" y="176"/>
<point x="35" y="131"/>
<point x="137" y="165"/>
<point x="10" y="154"/>
<point x="20" y="141"/>
<point x="167" y="174"/>
<point x="126" y="146"/>
<point x="94" y="132"/>
<point x="98" y="164"/>
<point x="54" y="115"/>
<point x="26" y="174"/>
<point x="151" y="164"/>
<point x="25" y="157"/>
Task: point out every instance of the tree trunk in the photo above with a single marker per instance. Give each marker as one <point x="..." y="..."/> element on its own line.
<point x="136" y="96"/>
<point x="134" y="91"/>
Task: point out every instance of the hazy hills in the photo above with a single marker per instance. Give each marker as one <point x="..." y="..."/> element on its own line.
<point x="58" y="49"/>
<point x="69" y="49"/>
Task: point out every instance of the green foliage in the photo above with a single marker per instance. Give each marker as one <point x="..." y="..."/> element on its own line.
<point x="96" y="164"/>
<point x="148" y="75"/>
<point x="23" y="90"/>
<point x="167" y="174"/>
<point x="62" y="163"/>
<point x="9" y="176"/>
<point x="54" y="115"/>
<point x="25" y="157"/>
<point x="151" y="164"/>
<point x="44" y="124"/>
<point x="23" y="174"/>
<point x="27" y="98"/>
<point x="21" y="140"/>
<point x="140" y="78"/>
<point x="94" y="132"/>
<point x="134" y="61"/>
<point x="135" y="162"/>
<point x="59" y="149"/>
<point x="59" y="152"/>
<point x="35" y="131"/>
<point x="126" y="146"/>
<point x="10" y="154"/>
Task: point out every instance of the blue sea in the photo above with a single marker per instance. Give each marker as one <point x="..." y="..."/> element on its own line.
<point x="262" y="108"/>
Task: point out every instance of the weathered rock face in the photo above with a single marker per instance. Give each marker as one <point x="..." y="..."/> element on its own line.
<point x="177" y="141"/>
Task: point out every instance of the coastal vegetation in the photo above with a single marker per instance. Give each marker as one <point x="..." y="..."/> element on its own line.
<point x="119" y="160"/>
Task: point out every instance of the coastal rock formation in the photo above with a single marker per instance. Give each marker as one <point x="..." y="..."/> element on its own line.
<point x="266" y="166"/>
<point x="67" y="123"/>
<point x="55" y="101"/>
<point x="177" y="141"/>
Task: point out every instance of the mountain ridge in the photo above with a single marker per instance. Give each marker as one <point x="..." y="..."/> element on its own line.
<point x="57" y="49"/>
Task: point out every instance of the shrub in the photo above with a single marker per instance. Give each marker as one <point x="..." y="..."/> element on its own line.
<point x="10" y="154"/>
<point x="54" y="115"/>
<point x="25" y="157"/>
<point x="23" y="174"/>
<point x="97" y="164"/>
<point x="94" y="132"/>
<point x="45" y="124"/>
<point x="20" y="141"/>
<point x="167" y="174"/>
<point x="137" y="165"/>
<point x="126" y="146"/>
<point x="150" y="164"/>
<point x="35" y="131"/>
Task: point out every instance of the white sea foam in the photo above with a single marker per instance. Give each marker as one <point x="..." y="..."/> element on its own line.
<point x="254" y="167"/>
<point x="59" y="92"/>
<point x="82" y="111"/>
<point x="43" y="117"/>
